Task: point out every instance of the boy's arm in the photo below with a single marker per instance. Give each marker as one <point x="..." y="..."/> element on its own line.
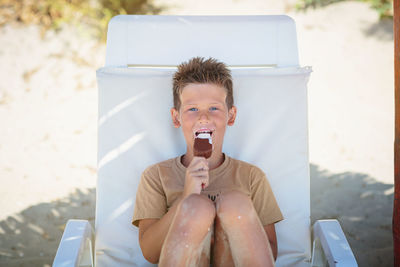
<point x="152" y="233"/>
<point x="270" y="231"/>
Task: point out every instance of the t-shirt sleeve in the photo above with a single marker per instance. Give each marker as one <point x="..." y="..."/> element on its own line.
<point x="263" y="199"/>
<point x="150" y="197"/>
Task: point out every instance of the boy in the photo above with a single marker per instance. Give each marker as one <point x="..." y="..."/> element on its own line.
<point x="191" y="209"/>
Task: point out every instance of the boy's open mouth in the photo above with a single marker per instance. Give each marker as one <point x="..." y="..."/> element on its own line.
<point x="204" y="131"/>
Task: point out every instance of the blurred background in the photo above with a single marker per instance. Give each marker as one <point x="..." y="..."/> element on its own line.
<point x="50" y="50"/>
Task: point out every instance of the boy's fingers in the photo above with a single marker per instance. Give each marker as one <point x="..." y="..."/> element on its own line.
<point x="198" y="160"/>
<point x="201" y="169"/>
<point x="198" y="169"/>
<point x="200" y="176"/>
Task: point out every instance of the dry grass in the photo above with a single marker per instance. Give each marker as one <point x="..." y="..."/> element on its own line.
<point x="92" y="16"/>
<point x="383" y="7"/>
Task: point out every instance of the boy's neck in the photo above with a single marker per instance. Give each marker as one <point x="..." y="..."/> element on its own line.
<point x="214" y="161"/>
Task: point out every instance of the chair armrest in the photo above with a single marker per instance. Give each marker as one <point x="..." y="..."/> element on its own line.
<point x="330" y="245"/>
<point x="75" y="249"/>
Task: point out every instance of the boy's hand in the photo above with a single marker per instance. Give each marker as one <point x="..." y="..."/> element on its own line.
<point x="196" y="175"/>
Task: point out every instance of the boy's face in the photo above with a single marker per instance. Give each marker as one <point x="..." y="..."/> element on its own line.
<point x="203" y="108"/>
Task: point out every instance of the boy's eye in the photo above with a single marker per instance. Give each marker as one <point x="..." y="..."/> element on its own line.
<point x="213" y="108"/>
<point x="192" y="109"/>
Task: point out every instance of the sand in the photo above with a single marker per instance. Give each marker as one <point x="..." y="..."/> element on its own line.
<point x="48" y="109"/>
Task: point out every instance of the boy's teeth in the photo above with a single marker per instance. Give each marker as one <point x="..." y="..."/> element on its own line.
<point x="203" y="132"/>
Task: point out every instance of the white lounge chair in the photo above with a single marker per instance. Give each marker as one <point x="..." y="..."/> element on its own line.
<point x="135" y="130"/>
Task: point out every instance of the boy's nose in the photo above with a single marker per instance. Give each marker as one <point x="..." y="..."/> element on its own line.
<point x="203" y="117"/>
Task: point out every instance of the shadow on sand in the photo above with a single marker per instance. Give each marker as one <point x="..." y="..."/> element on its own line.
<point x="361" y="204"/>
<point x="31" y="237"/>
<point x="381" y="30"/>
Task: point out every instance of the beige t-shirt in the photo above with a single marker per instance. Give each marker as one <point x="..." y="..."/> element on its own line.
<point x="161" y="184"/>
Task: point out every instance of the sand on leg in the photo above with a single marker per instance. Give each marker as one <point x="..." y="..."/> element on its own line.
<point x="248" y="242"/>
<point x="188" y="240"/>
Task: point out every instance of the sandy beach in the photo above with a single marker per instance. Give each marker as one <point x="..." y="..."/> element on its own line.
<point x="48" y="111"/>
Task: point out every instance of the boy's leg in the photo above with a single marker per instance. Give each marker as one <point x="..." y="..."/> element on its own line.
<point x="222" y="255"/>
<point x="248" y="242"/>
<point x="188" y="240"/>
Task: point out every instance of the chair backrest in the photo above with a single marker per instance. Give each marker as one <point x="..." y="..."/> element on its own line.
<point x="134" y="106"/>
<point x="170" y="40"/>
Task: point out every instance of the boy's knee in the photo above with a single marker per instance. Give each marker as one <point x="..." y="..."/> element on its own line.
<point x="234" y="206"/>
<point x="198" y="210"/>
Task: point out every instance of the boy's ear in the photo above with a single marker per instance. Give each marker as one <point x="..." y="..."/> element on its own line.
<point x="175" y="118"/>
<point x="232" y="115"/>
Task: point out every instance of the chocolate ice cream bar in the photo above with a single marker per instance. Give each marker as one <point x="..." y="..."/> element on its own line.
<point x="203" y="145"/>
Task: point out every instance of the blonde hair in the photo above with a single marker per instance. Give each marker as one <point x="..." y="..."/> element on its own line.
<point x="200" y="70"/>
